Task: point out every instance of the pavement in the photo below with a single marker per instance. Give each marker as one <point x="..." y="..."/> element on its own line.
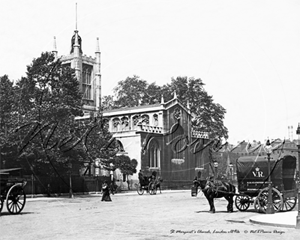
<point x="279" y="219"/>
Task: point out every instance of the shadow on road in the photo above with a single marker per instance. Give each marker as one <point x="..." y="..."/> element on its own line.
<point x="215" y="212"/>
<point x="9" y="214"/>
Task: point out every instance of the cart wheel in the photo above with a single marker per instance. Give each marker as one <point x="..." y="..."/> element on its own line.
<point x="257" y="206"/>
<point x="261" y="202"/>
<point x="1" y="204"/>
<point x="140" y="189"/>
<point x="152" y="188"/>
<point x="242" y="203"/>
<point x="262" y="199"/>
<point x="289" y="203"/>
<point x="15" y="199"/>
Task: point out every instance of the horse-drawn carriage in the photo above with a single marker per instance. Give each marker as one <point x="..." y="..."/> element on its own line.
<point x="148" y="184"/>
<point x="253" y="186"/>
<point x="12" y="191"/>
<point x="252" y="177"/>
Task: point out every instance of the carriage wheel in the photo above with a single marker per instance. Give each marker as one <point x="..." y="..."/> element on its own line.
<point x="152" y="189"/>
<point x="140" y="189"/>
<point x="256" y="207"/>
<point x="1" y="204"/>
<point x="15" y="199"/>
<point x="262" y="199"/>
<point x="242" y="203"/>
<point x="289" y="203"/>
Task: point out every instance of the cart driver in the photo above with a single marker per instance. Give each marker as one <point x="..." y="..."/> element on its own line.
<point x="141" y="176"/>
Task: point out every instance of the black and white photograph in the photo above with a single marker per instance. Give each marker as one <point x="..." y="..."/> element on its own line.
<point x="149" y="119"/>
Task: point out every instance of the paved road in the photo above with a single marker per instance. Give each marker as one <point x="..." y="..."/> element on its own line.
<point x="174" y="215"/>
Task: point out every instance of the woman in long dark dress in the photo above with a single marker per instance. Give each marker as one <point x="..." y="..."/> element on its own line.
<point x="106" y="194"/>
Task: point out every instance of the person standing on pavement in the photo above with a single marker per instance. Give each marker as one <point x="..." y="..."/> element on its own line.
<point x="106" y="194"/>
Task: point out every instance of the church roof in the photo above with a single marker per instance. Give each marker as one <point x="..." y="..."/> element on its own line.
<point x="146" y="108"/>
<point x="137" y="109"/>
<point x="131" y="108"/>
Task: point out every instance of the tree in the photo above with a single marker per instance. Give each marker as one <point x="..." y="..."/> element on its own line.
<point x="7" y="109"/>
<point x="7" y="115"/>
<point x="153" y="94"/>
<point x="47" y="101"/>
<point x="107" y="102"/>
<point x="126" y="165"/>
<point x="207" y="115"/>
<point x="130" y="93"/>
<point x="50" y="90"/>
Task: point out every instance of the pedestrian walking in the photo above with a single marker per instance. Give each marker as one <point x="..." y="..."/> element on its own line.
<point x="106" y="193"/>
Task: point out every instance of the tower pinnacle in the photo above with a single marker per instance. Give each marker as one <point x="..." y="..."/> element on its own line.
<point x="162" y="101"/>
<point x="175" y="95"/>
<point x="97" y="46"/>
<point x="54" y="51"/>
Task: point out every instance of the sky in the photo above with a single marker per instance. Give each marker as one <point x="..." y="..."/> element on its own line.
<point x="246" y="52"/>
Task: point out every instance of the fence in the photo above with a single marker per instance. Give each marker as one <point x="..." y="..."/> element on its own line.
<point x="60" y="185"/>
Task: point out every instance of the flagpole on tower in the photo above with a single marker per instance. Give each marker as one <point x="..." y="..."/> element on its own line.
<point x="76" y="16"/>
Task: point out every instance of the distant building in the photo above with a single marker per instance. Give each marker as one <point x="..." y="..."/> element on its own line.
<point x="256" y="148"/>
<point x="280" y="148"/>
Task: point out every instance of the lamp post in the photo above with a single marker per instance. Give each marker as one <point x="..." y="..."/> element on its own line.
<point x="70" y="181"/>
<point x="270" y="207"/>
<point x="216" y="164"/>
<point x="97" y="170"/>
<point x="231" y="171"/>
<point x="111" y="171"/>
<point x="298" y="145"/>
<point x="111" y="165"/>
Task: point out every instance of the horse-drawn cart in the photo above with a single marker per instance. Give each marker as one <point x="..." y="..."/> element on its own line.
<point x="148" y="184"/>
<point x="12" y="191"/>
<point x="252" y="177"/>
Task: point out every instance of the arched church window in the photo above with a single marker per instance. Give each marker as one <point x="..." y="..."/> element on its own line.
<point x="154" y="154"/>
<point x="119" y="146"/>
<point x="145" y="119"/>
<point x="124" y="122"/>
<point x="86" y="82"/>
<point x="135" y="119"/>
<point x="116" y="122"/>
<point x="155" y="120"/>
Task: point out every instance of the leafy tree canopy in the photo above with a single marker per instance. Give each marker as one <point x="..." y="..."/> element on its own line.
<point x="43" y="135"/>
<point x="125" y="164"/>
<point x="7" y="109"/>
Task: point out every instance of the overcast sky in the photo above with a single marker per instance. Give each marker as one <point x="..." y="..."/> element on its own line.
<point x="246" y="52"/>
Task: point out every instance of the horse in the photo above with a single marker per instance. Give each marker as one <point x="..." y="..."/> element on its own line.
<point x="216" y="189"/>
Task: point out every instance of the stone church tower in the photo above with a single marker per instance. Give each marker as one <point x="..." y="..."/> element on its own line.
<point x="87" y="70"/>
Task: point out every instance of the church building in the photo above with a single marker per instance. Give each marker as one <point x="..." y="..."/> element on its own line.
<point x="159" y="137"/>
